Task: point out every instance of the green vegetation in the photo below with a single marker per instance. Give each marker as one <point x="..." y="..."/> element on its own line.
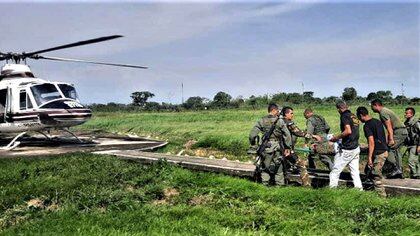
<point x="223" y="100"/>
<point x="99" y="195"/>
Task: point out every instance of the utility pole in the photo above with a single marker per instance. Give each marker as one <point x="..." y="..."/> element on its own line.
<point x="402" y="89"/>
<point x="182" y="92"/>
<point x="303" y="87"/>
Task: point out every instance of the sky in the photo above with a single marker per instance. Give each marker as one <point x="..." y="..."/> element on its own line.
<point x="242" y="48"/>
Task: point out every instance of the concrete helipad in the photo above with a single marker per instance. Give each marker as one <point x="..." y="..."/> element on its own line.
<point x="40" y="146"/>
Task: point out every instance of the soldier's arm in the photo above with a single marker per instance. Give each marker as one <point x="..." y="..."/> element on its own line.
<point x="417" y="135"/>
<point x="371" y="144"/>
<point x="346" y="132"/>
<point x="327" y="127"/>
<point x="388" y="126"/>
<point x="254" y="132"/>
<point x="298" y="132"/>
<point x="287" y="137"/>
<point x="310" y="129"/>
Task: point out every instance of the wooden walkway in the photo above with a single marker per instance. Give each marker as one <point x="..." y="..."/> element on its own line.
<point x="234" y="168"/>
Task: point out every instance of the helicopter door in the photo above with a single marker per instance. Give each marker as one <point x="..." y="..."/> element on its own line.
<point x="3" y="96"/>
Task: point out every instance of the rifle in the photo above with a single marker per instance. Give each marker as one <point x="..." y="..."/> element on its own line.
<point x="264" y="144"/>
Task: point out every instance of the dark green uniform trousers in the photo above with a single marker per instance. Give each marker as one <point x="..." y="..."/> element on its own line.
<point x="395" y="155"/>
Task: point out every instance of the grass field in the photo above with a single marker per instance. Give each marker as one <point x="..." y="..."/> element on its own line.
<point x="85" y="194"/>
<point x="220" y="132"/>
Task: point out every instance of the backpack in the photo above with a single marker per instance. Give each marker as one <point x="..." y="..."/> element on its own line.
<point x="413" y="137"/>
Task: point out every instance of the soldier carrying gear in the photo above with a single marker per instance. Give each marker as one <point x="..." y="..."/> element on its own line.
<point x="316" y="124"/>
<point x="278" y="145"/>
<point x="288" y="115"/>
<point x="413" y="142"/>
<point x="397" y="134"/>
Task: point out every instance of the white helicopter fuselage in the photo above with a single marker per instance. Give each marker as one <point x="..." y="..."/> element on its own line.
<point x="33" y="104"/>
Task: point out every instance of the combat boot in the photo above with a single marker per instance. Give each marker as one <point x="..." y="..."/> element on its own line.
<point x="396" y="174"/>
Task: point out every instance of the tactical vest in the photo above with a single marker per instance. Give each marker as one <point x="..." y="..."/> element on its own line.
<point x="321" y="126"/>
<point x="413" y="133"/>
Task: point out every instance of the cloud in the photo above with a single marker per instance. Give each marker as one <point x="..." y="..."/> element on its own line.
<point x="185" y="42"/>
<point x="371" y="45"/>
<point x="145" y="25"/>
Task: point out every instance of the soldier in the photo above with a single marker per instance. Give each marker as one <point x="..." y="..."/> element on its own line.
<point x="349" y="150"/>
<point x="378" y="150"/>
<point x="396" y="135"/>
<point x="413" y="142"/>
<point x="278" y="146"/>
<point x="316" y="124"/>
<point x="288" y="115"/>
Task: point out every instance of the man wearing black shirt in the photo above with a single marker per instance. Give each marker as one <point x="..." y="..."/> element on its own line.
<point x="348" y="154"/>
<point x="378" y="149"/>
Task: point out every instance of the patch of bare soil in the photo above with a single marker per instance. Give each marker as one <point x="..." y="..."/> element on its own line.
<point x="200" y="200"/>
<point x="168" y="195"/>
<point x="21" y="213"/>
<point x="190" y="143"/>
<point x="35" y="203"/>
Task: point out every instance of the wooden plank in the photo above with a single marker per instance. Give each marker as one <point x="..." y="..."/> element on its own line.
<point x="197" y="163"/>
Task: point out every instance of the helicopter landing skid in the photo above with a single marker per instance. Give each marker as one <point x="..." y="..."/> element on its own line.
<point x="14" y="143"/>
<point x="44" y="134"/>
<point x="74" y="135"/>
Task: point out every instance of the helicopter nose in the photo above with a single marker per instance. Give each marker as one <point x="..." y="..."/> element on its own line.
<point x="65" y="119"/>
<point x="65" y="114"/>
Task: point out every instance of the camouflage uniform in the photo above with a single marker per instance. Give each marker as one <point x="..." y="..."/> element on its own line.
<point x="317" y="125"/>
<point x="300" y="163"/>
<point x="272" y="167"/>
<point x="378" y="163"/>
<point x="412" y="142"/>
<point x="400" y="134"/>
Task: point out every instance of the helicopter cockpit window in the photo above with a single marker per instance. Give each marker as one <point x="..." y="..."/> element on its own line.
<point x="44" y="93"/>
<point x="68" y="91"/>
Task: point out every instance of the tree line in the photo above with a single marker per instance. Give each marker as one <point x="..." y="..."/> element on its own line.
<point x="222" y="100"/>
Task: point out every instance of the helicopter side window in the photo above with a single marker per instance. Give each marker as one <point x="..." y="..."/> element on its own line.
<point x="22" y="100"/>
<point x="3" y="95"/>
<point x="44" y="93"/>
<point x="28" y="102"/>
<point x="68" y="91"/>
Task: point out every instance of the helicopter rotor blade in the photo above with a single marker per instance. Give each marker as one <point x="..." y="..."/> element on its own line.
<point x="80" y="43"/>
<point x="3" y="56"/>
<point x="84" y="61"/>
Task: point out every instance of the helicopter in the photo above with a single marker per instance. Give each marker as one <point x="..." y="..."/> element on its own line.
<point x="31" y="104"/>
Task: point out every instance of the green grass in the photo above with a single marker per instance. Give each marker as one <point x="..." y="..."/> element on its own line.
<point x="222" y="130"/>
<point x="97" y="195"/>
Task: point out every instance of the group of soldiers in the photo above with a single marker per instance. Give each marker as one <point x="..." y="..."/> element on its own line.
<point x="279" y="148"/>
